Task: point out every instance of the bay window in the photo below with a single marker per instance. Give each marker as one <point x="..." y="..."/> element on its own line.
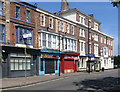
<point x="19" y="36"/>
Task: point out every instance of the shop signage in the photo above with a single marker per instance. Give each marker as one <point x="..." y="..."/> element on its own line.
<point x="49" y="56"/>
<point x="29" y="35"/>
<point x="90" y="55"/>
<point x="70" y="57"/>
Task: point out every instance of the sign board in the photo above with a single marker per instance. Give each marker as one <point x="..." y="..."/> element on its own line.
<point x="49" y="56"/>
<point x="90" y="55"/>
<point x="29" y="35"/>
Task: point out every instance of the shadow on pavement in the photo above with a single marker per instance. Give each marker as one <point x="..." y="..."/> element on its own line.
<point x="107" y="84"/>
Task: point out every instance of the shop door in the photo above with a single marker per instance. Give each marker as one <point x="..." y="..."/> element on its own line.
<point x="49" y="66"/>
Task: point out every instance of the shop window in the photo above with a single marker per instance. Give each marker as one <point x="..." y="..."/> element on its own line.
<point x="19" y="64"/>
<point x="19" y="36"/>
<point x="56" y="65"/>
<point x="41" y="65"/>
<point x="1" y="8"/>
<point x="2" y="33"/>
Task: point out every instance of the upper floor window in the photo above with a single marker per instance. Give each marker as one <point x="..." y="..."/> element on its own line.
<point x="51" y="23"/>
<point x="58" y="25"/>
<point x="54" y="41"/>
<point x="81" y="19"/>
<point x="89" y="24"/>
<point x="49" y="40"/>
<point x="75" y="45"/>
<point x="19" y="36"/>
<point x="104" y="40"/>
<point x="71" y="44"/>
<point x="28" y="15"/>
<point x="72" y="30"/>
<point x="44" y="39"/>
<point x="43" y="20"/>
<point x="17" y="12"/>
<point x="90" y="48"/>
<point x="89" y="35"/>
<point x="1" y="8"/>
<point x="68" y="44"/>
<point x="95" y="49"/>
<point x="96" y="37"/>
<point x="62" y="27"/>
<point x="101" y="40"/>
<point x="107" y="42"/>
<point x="2" y="33"/>
<point x="67" y="28"/>
<point x="65" y="43"/>
<point x="82" y="33"/>
<point x="96" y="26"/>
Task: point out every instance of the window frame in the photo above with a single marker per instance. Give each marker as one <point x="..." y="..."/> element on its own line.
<point x="28" y="17"/>
<point x="42" y="20"/>
<point x="3" y="33"/>
<point x="17" y="12"/>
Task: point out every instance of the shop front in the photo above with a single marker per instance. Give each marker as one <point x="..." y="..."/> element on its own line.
<point x="93" y="63"/>
<point x="49" y="62"/>
<point x="69" y="62"/>
<point x="15" y="62"/>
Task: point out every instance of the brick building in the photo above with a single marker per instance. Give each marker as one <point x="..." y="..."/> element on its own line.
<point x="63" y="34"/>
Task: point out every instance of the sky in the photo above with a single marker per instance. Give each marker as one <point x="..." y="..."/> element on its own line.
<point x="103" y="12"/>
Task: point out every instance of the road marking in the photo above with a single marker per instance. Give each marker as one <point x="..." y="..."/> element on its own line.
<point x="35" y="83"/>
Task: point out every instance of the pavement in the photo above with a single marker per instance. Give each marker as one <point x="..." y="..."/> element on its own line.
<point x="65" y="81"/>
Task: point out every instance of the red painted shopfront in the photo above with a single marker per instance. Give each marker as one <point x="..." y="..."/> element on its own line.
<point x="68" y="62"/>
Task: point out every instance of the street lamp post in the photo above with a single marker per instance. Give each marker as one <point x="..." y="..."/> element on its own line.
<point x="25" y="36"/>
<point x="59" y="53"/>
<point x="88" y="47"/>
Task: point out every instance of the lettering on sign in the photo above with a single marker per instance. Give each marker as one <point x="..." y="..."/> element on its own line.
<point x="70" y="57"/>
<point x="49" y="56"/>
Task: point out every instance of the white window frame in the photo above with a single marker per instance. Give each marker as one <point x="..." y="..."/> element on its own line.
<point x="43" y="20"/>
<point x="72" y="30"/>
<point x="58" y="25"/>
<point x="51" y="23"/>
<point x="67" y="28"/>
<point x="62" y="27"/>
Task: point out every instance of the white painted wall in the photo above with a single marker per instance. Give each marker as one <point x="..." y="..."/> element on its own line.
<point x="71" y="16"/>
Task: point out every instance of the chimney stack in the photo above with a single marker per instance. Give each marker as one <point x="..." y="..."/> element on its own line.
<point x="64" y="5"/>
<point x="91" y="15"/>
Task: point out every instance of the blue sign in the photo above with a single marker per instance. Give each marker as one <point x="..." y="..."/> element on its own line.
<point x="90" y="55"/>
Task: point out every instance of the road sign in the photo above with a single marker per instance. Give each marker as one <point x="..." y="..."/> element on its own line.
<point x="29" y="35"/>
